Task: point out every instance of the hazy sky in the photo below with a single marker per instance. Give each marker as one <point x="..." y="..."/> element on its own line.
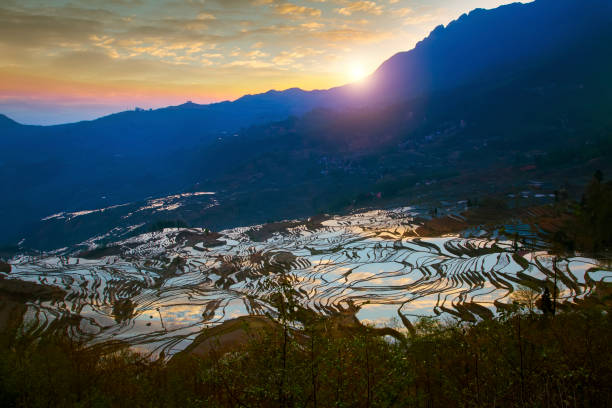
<point x="79" y="59"/>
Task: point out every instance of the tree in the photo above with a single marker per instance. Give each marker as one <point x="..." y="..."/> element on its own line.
<point x="545" y="304"/>
<point x="525" y="296"/>
<point x="285" y="299"/>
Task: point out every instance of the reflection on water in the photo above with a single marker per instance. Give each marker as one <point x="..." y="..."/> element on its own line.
<point x="364" y="260"/>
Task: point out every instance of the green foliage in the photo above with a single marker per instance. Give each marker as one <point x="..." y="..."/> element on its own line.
<point x="493" y="203"/>
<point x="515" y="361"/>
<point x="123" y="309"/>
<point x="526" y="297"/>
<point x="5" y="267"/>
<point x="545" y="303"/>
<point x="8" y="251"/>
<point x="162" y="224"/>
<point x="590" y="225"/>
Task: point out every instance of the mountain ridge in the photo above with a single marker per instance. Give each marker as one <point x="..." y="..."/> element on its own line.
<point x="5" y="121"/>
<point x="568" y="16"/>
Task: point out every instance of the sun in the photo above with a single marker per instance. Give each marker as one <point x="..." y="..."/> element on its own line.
<point x="356" y="71"/>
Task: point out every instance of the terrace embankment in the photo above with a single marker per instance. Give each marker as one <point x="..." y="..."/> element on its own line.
<point x="235" y="335"/>
<point x="168" y="287"/>
<point x="268" y="230"/>
<point x="14" y="294"/>
<point x="547" y="218"/>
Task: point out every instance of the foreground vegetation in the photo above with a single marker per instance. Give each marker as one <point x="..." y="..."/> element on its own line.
<point x="588" y="224"/>
<point x="520" y="359"/>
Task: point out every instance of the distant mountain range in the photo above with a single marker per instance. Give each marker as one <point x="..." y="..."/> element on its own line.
<point x="495" y="88"/>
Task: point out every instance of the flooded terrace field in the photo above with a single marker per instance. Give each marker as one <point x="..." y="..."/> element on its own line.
<point x="157" y="291"/>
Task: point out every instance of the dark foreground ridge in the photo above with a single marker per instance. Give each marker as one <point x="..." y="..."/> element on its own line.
<point x="519" y="359"/>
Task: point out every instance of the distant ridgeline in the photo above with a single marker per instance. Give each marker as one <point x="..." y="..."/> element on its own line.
<point x="484" y="106"/>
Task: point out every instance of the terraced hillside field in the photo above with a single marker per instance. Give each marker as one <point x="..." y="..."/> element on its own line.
<point x="158" y="290"/>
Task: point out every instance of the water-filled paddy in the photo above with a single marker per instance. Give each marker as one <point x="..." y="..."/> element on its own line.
<point x="364" y="261"/>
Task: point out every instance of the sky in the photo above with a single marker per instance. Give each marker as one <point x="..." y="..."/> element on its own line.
<point x="68" y="60"/>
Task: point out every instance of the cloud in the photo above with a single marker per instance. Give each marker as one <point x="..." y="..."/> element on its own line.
<point x="249" y="64"/>
<point x="297" y="11"/>
<point x="312" y="26"/>
<point x="20" y="29"/>
<point x="402" y="12"/>
<point x="420" y="19"/>
<point x="349" y="35"/>
<point x="206" y="16"/>
<point x="256" y="54"/>
<point x="369" y="7"/>
<point x="100" y="3"/>
<point x="289" y="57"/>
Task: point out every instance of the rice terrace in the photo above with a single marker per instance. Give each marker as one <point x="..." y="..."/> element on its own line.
<point x="161" y="289"/>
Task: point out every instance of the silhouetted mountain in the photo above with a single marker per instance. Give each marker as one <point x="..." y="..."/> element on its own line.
<point x="495" y="89"/>
<point x="490" y="45"/>
<point x="6" y="122"/>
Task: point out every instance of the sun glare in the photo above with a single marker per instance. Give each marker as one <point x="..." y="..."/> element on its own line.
<point x="357" y="72"/>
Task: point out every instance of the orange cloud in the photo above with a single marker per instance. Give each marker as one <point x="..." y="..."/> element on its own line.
<point x="369" y="7"/>
<point x="295" y="10"/>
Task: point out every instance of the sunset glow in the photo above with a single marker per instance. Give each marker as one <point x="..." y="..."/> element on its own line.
<point x="66" y="60"/>
<point x="356" y="71"/>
